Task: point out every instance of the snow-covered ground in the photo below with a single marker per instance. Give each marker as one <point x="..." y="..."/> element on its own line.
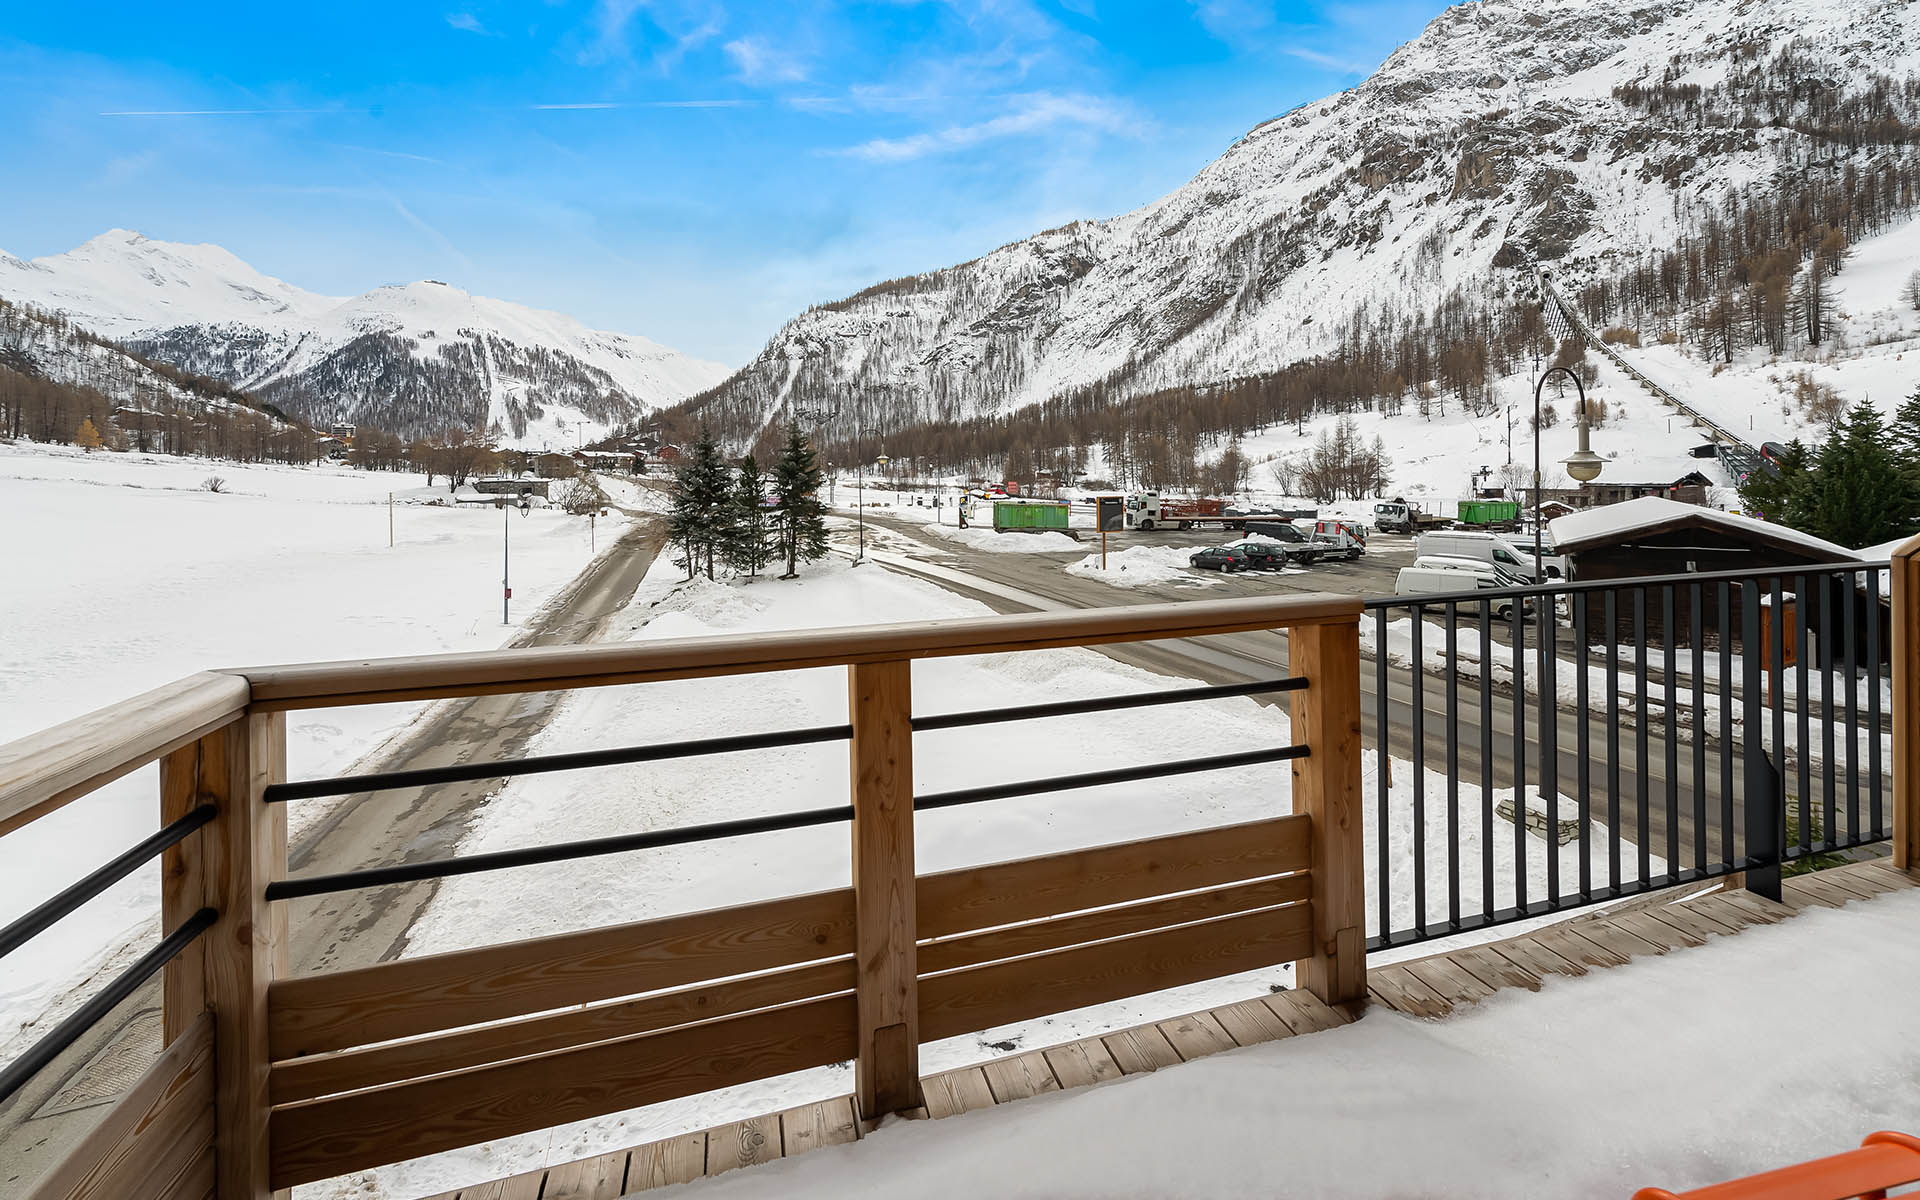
<point x="1863" y="358"/>
<point x="1676" y="1071"/>
<point x="477" y="910"/>
<point x="122" y="574"/>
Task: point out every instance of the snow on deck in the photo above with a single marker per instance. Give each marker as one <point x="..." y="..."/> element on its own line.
<point x="1602" y="1082"/>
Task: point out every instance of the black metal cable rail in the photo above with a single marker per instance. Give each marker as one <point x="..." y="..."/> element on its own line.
<point x="346" y="785"/>
<point x="1067" y="783"/>
<point x="16" y="1073"/>
<point x="441" y="868"/>
<point x="1067" y="708"/>
<point x="41" y="918"/>
<point x="319" y="885"/>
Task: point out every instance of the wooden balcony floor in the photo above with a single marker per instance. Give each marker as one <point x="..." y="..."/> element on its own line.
<point x="1430" y="987"/>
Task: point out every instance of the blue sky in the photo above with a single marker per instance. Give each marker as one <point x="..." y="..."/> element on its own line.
<point x="692" y="170"/>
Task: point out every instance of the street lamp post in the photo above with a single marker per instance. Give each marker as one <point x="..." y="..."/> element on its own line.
<point x="1584" y="465"/>
<point x="506" y="584"/>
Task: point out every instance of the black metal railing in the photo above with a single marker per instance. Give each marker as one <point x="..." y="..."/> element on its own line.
<point x="1599" y="739"/>
<point x="44" y="916"/>
<point x="415" y="872"/>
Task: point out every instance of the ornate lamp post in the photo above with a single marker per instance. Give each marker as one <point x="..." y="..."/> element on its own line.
<point x="1584" y="465"/>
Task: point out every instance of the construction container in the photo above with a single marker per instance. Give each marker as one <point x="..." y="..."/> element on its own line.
<point x="1014" y="516"/>
<point x="1489" y="512"/>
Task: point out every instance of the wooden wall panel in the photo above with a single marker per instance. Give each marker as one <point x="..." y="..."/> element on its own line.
<point x="413" y="996"/>
<point x="1027" y="889"/>
<point x="981" y="997"/>
<point x="322" y="1138"/>
<point x="155" y="1134"/>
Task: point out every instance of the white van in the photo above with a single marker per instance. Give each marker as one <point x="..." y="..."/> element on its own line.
<point x="1448" y="580"/>
<point x="1489" y="548"/>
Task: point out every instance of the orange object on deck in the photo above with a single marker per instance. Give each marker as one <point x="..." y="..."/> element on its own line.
<point x="1884" y="1160"/>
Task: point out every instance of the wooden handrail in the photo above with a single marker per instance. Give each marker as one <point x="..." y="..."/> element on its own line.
<point x="43" y="772"/>
<point x="550" y="668"/>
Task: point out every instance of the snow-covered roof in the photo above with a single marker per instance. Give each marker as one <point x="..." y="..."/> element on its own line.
<point x="1649" y="514"/>
<point x="1883" y="550"/>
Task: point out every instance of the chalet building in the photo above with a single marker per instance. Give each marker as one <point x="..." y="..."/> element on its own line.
<point x="1691" y="488"/>
<point x="1653" y="536"/>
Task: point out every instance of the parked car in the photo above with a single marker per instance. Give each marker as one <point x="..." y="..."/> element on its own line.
<point x="1225" y="559"/>
<point x="1450" y="580"/>
<point x="1489" y="548"/>
<point x="1301" y="549"/>
<point x="1263" y="556"/>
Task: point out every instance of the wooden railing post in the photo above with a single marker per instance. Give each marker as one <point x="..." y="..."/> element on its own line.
<point x="183" y="883"/>
<point x="1326" y="787"/>
<point x="239" y="853"/>
<point x="1906" y="705"/>
<point x="887" y="1069"/>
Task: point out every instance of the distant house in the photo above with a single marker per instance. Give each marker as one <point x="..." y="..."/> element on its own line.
<point x="555" y="466"/>
<point x="344" y="432"/>
<point x="609" y="461"/>
<point x="1653" y="536"/>
<point x="1691" y="488"/>
<point x="510" y="487"/>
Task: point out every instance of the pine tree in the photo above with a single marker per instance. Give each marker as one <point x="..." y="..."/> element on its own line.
<point x="87" y="437"/>
<point x="1862" y="495"/>
<point x="750" y="534"/>
<point x="1783" y="495"/>
<point x="701" y="516"/>
<point x="1906" y="431"/>
<point x="799" y="517"/>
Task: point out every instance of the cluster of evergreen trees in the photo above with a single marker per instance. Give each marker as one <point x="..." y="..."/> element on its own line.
<point x="1859" y="488"/>
<point x="747" y="519"/>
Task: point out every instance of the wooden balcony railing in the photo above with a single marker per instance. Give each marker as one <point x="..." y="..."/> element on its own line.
<point x="269" y="1080"/>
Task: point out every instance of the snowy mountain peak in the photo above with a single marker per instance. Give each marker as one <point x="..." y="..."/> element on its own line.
<point x="412" y="358"/>
<point x="1507" y="135"/>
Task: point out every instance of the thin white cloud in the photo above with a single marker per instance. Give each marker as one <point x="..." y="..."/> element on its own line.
<point x="391" y="153"/>
<point x="759" y="61"/>
<point x="1032" y="113"/>
<point x="220" y="112"/>
<point x="598" y="105"/>
<point x="466" y="22"/>
<point x="440" y="240"/>
<point x="1329" y="61"/>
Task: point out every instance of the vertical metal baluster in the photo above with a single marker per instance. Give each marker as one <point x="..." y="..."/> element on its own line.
<point x="1670" y="644"/>
<point x="1486" y="760"/>
<point x="1383" y="725"/>
<point x="1582" y="740"/>
<point x="1547" y="636"/>
<point x="1801" y="642"/>
<point x="1843" y="584"/>
<point x="1453" y="765"/>
<point x="1760" y="845"/>
<point x="1826" y="709"/>
<point x="1696" y="602"/>
<point x="1643" y="835"/>
<point x="1519" y="754"/>
<point x="1726" y="726"/>
<point x="1875" y="812"/>
<point x="1419" y="770"/>
<point x="1611" y="610"/>
<point x="1776" y="664"/>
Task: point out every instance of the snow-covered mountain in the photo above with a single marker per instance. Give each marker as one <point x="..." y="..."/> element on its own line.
<point x="1509" y="134"/>
<point x="413" y="359"/>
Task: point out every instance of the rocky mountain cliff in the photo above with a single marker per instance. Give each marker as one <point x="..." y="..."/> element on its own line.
<point x="414" y="360"/>
<point x="1507" y="135"/>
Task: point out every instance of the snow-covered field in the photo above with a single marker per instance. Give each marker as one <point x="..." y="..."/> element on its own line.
<point x="1646" y="1074"/>
<point x="122" y="575"/>
<point x="477" y="910"/>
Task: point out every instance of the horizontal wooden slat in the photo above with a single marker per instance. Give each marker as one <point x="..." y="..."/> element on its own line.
<point x="42" y="772"/>
<point x="982" y="997"/>
<point x="348" y="1070"/>
<point x="317" y="1013"/>
<point x="1036" y="936"/>
<point x="146" y="1131"/>
<point x="322" y="1138"/>
<point x="1025" y="889"/>
<point x="546" y="668"/>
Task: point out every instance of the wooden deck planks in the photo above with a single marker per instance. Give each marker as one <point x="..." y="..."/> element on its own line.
<point x="680" y="1159"/>
<point x="828" y="1123"/>
<point x="1020" y="1077"/>
<point x="955" y="1092"/>
<point x="741" y="1144"/>
<point x="599" y="1178"/>
<point x="1196" y="1035"/>
<point x="1081" y="1064"/>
